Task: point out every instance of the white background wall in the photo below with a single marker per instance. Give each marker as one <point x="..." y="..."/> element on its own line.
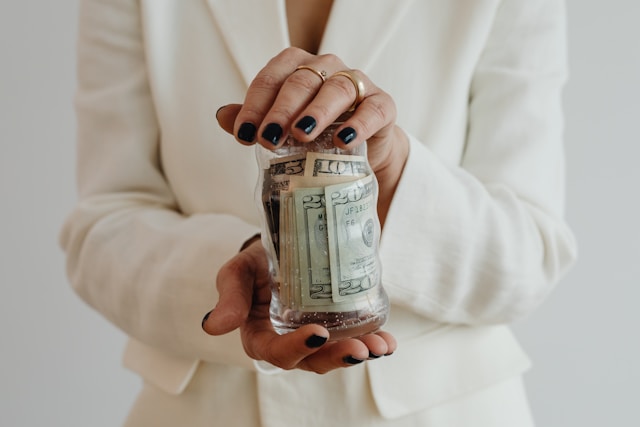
<point x="60" y="362"/>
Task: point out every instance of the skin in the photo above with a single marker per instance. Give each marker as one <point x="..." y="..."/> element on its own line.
<point x="245" y="294"/>
<point x="281" y="95"/>
<point x="307" y="20"/>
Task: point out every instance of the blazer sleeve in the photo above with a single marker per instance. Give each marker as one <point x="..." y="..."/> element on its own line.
<point x="131" y="253"/>
<point x="485" y="241"/>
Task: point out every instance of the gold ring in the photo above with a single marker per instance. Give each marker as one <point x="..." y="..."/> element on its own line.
<point x="358" y="84"/>
<point x="321" y="73"/>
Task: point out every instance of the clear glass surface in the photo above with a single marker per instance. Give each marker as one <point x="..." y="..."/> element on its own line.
<point x="321" y="233"/>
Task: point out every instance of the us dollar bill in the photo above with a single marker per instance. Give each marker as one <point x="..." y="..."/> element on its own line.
<point x="287" y="271"/>
<point x="352" y="236"/>
<point x="288" y="166"/>
<point x="294" y="196"/>
<point x="326" y="164"/>
<point x="276" y="180"/>
<point x="297" y="182"/>
<point x="312" y="246"/>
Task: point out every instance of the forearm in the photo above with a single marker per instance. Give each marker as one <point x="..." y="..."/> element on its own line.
<point x="482" y="238"/>
<point x="151" y="271"/>
<point x="458" y="250"/>
<point x="133" y="251"/>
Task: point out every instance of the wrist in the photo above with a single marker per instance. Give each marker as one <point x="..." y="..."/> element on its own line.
<point x="389" y="173"/>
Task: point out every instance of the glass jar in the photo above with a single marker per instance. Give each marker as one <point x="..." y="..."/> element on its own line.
<point x="321" y="231"/>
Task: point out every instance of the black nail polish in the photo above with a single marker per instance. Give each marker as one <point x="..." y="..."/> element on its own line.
<point x="204" y="319"/>
<point x="307" y="124"/>
<point x="247" y="132"/>
<point x="352" y="360"/>
<point x="373" y="355"/>
<point x="315" y="341"/>
<point x="389" y="354"/>
<point x="272" y="133"/>
<point x="347" y="134"/>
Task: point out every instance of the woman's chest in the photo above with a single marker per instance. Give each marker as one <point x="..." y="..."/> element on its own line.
<point x="425" y="62"/>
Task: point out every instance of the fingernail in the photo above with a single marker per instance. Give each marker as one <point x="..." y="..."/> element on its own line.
<point x="374" y="356"/>
<point x="315" y="341"/>
<point x="347" y="134"/>
<point x="389" y="354"/>
<point x="247" y="132"/>
<point x="272" y="133"/>
<point x="204" y="319"/>
<point x="307" y="124"/>
<point x="352" y="360"/>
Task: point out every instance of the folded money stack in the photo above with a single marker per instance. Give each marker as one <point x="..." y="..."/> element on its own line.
<point x="320" y="209"/>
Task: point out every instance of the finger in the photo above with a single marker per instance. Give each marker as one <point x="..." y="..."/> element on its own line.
<point x="334" y="355"/>
<point x="297" y="91"/>
<point x="375" y="114"/>
<point x="235" y="287"/>
<point x="334" y="98"/>
<point x="392" y="344"/>
<point x="226" y="116"/>
<point x="286" y="351"/>
<point x="376" y="344"/>
<point x="373" y="118"/>
<point x="262" y="93"/>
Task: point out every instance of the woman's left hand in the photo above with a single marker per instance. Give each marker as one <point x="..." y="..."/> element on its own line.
<point x="245" y="294"/>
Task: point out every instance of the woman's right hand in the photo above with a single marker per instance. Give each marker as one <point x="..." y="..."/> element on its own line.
<point x="300" y="94"/>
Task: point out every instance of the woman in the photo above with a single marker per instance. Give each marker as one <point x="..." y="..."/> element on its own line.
<point x="460" y="105"/>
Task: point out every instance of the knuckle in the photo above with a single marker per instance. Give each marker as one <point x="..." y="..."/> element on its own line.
<point x="293" y="52"/>
<point x="281" y="112"/>
<point x="265" y="81"/>
<point x="250" y="111"/>
<point x="304" y="81"/>
<point x="379" y="111"/>
<point x="359" y="73"/>
<point x="291" y="56"/>
<point x="390" y="108"/>
<point x="365" y="127"/>
<point x="342" y="85"/>
<point x="284" y="55"/>
<point x="330" y="58"/>
<point x="321" y="111"/>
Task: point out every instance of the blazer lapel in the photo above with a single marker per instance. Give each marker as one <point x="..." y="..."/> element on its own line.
<point x="254" y="30"/>
<point x="257" y="30"/>
<point x="357" y="30"/>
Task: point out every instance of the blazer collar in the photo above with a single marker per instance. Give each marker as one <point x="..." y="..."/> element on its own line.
<point x="257" y="30"/>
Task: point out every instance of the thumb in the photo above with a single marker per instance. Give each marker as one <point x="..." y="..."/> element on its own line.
<point x="235" y="286"/>
<point x="226" y="116"/>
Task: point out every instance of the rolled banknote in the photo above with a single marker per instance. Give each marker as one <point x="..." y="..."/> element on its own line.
<point x="352" y="235"/>
<point x="326" y="164"/>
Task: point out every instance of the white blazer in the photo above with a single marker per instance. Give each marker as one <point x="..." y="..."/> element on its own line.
<point x="475" y="236"/>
